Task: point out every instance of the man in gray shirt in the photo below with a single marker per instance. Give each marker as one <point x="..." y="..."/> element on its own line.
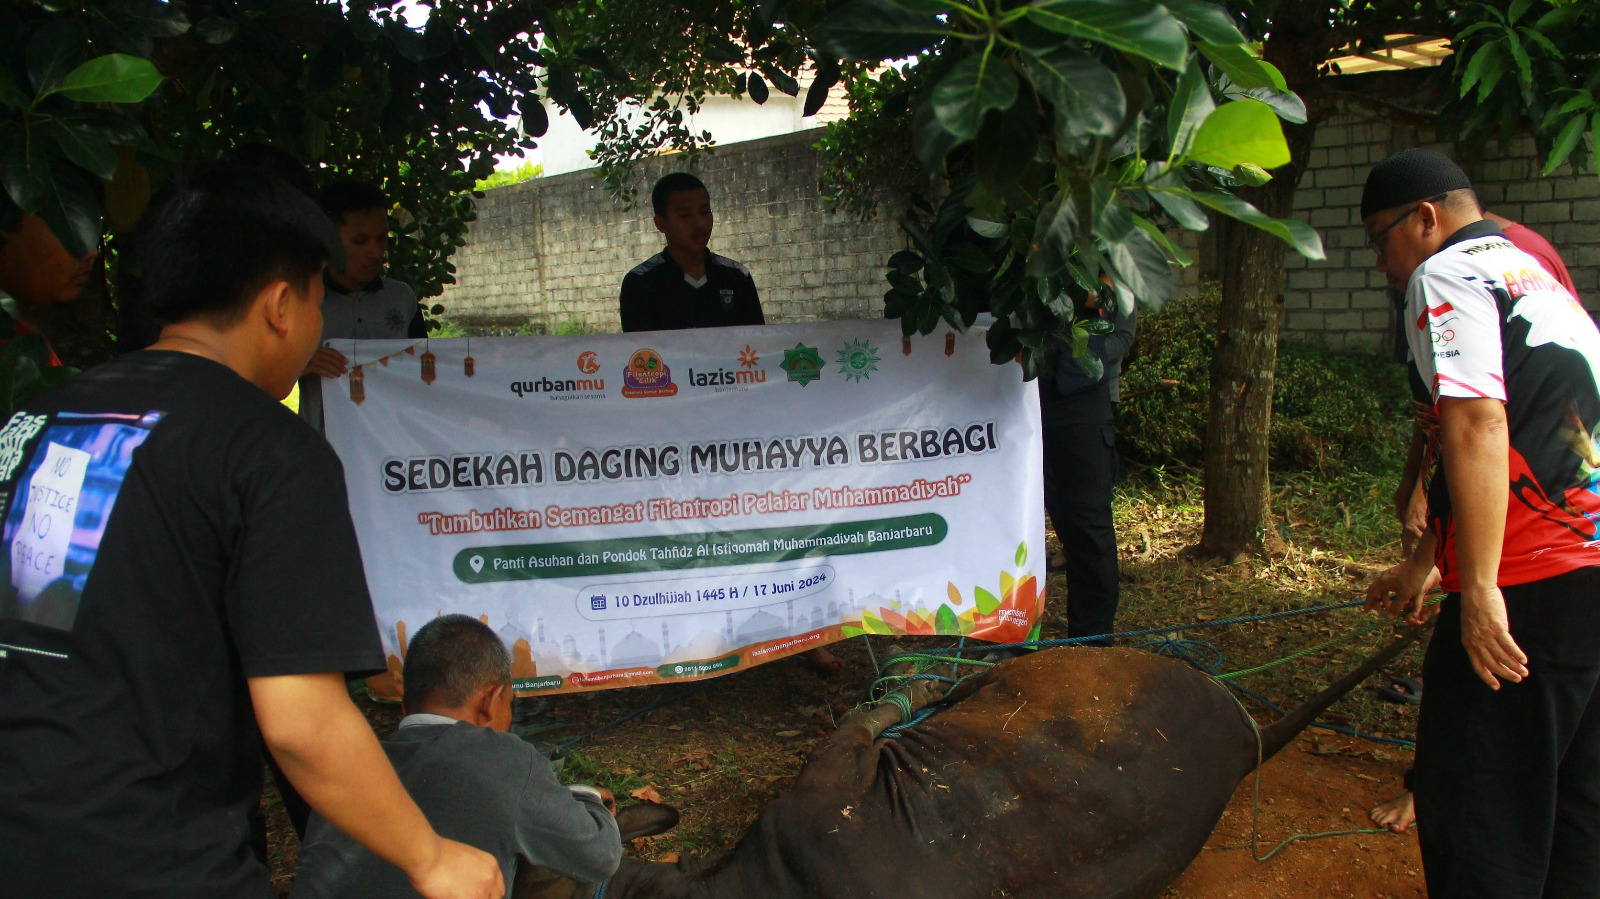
<point x="475" y="782"/>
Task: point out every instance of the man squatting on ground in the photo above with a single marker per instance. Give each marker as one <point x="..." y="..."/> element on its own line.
<point x="474" y="781"/>
<point x="212" y="594"/>
<point x="1508" y="744"/>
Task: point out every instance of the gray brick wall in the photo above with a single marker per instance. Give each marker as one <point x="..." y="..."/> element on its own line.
<point x="555" y="249"/>
<point x="1342" y="301"/>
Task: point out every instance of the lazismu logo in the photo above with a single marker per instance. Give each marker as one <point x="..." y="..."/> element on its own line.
<point x="726" y="377"/>
<point x="545" y="385"/>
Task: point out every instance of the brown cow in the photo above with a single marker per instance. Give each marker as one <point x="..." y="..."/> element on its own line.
<point x="1064" y="773"/>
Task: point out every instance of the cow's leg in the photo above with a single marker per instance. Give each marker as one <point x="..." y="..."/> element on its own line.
<point x="848" y="760"/>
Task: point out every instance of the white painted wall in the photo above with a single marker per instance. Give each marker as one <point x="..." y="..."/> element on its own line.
<point x="731" y="120"/>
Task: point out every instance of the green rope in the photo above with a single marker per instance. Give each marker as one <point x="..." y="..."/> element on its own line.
<point x="901" y="702"/>
<point x="1255" y="812"/>
<point x="1359" y="632"/>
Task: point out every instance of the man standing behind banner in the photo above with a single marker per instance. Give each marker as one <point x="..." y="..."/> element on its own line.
<point x="359" y="302"/>
<point x="686" y="285"/>
<point x="1080" y="465"/>
<point x="1508" y="743"/>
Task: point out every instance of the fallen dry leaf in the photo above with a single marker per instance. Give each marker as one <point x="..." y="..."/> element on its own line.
<point x="646" y="793"/>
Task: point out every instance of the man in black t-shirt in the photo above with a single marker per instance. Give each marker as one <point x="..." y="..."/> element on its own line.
<point x="687" y="285"/>
<point x="180" y="581"/>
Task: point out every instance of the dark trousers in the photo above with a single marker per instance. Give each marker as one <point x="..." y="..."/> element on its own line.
<point x="1508" y="781"/>
<point x="1080" y="463"/>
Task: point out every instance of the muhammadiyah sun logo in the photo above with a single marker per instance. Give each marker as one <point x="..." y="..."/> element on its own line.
<point x="858" y="360"/>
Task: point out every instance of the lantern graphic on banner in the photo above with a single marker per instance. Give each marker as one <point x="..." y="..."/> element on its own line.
<point x="358" y="385"/>
<point x="428" y="370"/>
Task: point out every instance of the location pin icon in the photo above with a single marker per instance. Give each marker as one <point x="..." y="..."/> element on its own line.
<point x="477" y="564"/>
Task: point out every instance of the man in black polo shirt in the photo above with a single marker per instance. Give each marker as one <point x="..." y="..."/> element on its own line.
<point x="687" y="285"/>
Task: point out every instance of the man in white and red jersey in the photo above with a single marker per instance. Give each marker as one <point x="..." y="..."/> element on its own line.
<point x="1508" y="760"/>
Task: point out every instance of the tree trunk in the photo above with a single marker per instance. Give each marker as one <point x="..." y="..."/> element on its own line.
<point x="1238" y="516"/>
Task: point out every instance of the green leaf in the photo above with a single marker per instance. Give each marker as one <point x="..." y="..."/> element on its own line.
<point x="1162" y="240"/>
<point x="1243" y="68"/>
<point x="1539" y="40"/>
<point x="1054" y="235"/>
<point x="1594" y="143"/>
<point x="1183" y="210"/>
<point x="1518" y="7"/>
<point x="1114" y="222"/>
<point x="945" y="622"/>
<point x="1296" y="234"/>
<point x="85" y="149"/>
<point x="1191" y="105"/>
<point x="871" y="30"/>
<point x="972" y="87"/>
<point x="1251" y="175"/>
<point x="1520" y="55"/>
<point x="113" y="78"/>
<point x="780" y="79"/>
<point x="817" y="93"/>
<point x="1141" y="265"/>
<point x="1287" y="104"/>
<point x="216" y="29"/>
<point x="57" y="193"/>
<point x="1138" y="28"/>
<point x="10" y="94"/>
<point x="1493" y="71"/>
<point x="1475" y="66"/>
<point x="985" y="601"/>
<point x="986" y="228"/>
<point x="756" y="87"/>
<point x="908" y="261"/>
<point x="1565" y="143"/>
<point x="1086" y="95"/>
<point x="1239" y="132"/>
<point x="1022" y="554"/>
<point x="53" y="51"/>
<point x="1208" y="22"/>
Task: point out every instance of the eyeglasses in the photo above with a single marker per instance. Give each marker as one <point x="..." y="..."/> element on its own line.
<point x="1379" y="242"/>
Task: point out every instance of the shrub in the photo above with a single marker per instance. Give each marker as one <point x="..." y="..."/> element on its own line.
<point x="1330" y="411"/>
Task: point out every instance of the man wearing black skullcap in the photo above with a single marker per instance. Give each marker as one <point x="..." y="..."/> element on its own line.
<point x="1508" y="774"/>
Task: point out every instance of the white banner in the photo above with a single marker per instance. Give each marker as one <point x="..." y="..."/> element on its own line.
<point x="637" y="508"/>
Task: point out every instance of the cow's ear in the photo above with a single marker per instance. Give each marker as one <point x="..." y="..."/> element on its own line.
<point x="646" y="819"/>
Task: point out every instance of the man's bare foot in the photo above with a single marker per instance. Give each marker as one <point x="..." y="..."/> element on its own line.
<point x="1397" y="815"/>
<point x="822" y="661"/>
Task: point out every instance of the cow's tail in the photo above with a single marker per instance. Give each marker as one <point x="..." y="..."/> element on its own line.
<point x="1285" y="729"/>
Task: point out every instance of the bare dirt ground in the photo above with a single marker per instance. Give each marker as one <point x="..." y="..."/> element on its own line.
<point x="727" y="747"/>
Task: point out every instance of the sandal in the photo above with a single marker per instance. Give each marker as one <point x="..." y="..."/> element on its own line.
<point x="1404" y="690"/>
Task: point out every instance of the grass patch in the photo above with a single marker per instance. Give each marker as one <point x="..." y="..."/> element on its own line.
<point x="1330" y="560"/>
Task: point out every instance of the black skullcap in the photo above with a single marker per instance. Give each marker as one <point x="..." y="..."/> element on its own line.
<point x="1409" y="176"/>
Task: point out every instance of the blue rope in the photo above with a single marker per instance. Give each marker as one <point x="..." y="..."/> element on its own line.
<point x="634" y="714"/>
<point x="600" y="890"/>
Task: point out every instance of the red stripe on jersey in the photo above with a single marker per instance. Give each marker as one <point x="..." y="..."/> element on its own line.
<point x="1440" y="378"/>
